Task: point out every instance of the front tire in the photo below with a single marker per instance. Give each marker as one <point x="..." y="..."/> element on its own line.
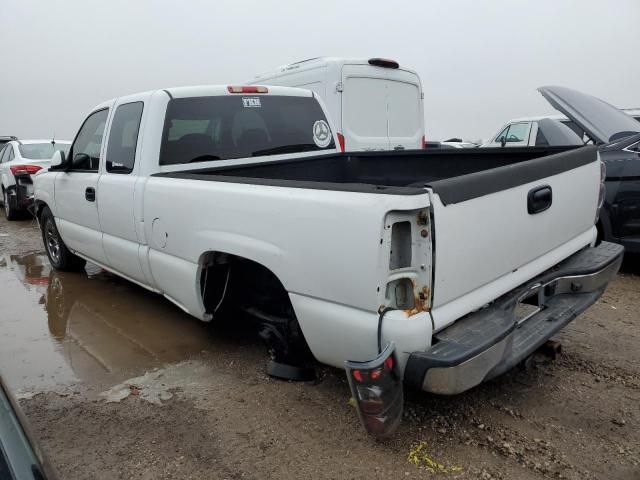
<point x="59" y="255"/>
<point x="10" y="209"/>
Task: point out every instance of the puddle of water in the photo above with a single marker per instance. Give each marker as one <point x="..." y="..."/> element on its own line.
<point x="59" y="328"/>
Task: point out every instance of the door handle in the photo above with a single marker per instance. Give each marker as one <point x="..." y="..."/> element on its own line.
<point x="539" y="199"/>
<point x="90" y="194"/>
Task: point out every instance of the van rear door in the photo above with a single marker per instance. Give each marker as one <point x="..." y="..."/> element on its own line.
<point x="404" y="110"/>
<point x="381" y="108"/>
<point x="364" y="108"/>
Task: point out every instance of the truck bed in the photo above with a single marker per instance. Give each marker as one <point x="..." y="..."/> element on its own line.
<point x="455" y="175"/>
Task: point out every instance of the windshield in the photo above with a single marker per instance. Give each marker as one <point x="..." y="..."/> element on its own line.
<point x="41" y="151"/>
<point x="201" y="129"/>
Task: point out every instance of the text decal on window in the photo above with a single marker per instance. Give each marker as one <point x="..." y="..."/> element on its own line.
<point x="251" y="102"/>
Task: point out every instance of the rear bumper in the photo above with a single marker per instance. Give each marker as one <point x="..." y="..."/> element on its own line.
<point x="488" y="342"/>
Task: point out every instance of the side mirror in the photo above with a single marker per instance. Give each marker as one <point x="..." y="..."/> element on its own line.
<point x="81" y="160"/>
<point x="503" y="141"/>
<point x="58" y="159"/>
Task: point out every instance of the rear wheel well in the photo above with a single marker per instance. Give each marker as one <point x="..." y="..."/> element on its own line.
<point x="236" y="287"/>
<point x="38" y="209"/>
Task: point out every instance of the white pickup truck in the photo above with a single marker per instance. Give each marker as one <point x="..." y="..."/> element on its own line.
<point x="435" y="268"/>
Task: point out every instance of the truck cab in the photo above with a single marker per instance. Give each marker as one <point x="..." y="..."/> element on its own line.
<point x="374" y="103"/>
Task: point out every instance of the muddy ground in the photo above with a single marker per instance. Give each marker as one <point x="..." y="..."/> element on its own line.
<point x="118" y="383"/>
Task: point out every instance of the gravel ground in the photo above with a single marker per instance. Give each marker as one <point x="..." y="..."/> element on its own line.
<point x="188" y="400"/>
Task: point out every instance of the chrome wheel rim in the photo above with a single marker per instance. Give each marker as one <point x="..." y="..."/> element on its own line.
<point x="52" y="241"/>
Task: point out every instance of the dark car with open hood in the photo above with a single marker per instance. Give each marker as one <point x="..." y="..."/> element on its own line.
<point x="618" y="135"/>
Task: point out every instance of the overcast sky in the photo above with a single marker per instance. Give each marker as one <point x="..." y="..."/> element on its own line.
<point x="480" y="61"/>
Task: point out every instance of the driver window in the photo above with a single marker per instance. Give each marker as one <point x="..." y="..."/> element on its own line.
<point x="517" y="132"/>
<point x="502" y="134"/>
<point x="85" y="151"/>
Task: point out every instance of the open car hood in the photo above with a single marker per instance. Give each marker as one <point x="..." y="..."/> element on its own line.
<point x="603" y="122"/>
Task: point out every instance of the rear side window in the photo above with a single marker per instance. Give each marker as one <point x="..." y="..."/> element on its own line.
<point x="123" y="138"/>
<point x="201" y="129"/>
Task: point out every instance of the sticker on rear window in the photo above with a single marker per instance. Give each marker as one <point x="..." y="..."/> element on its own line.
<point x="251" y="102"/>
<point x="321" y="133"/>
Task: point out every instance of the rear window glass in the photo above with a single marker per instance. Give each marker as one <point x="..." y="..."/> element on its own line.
<point x="41" y="151"/>
<point x="202" y="129"/>
<point x="123" y="138"/>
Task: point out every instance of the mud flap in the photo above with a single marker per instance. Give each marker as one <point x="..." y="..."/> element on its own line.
<point x="376" y="386"/>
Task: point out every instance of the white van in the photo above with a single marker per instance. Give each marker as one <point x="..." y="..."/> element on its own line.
<point x="374" y="103"/>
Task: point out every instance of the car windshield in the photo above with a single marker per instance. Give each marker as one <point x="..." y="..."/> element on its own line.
<point x="41" y="151"/>
<point x="202" y="129"/>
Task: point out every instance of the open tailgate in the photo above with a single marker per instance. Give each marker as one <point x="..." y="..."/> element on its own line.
<point x="497" y="228"/>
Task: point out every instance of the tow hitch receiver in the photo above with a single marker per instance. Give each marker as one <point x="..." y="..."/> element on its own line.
<point x="376" y="386"/>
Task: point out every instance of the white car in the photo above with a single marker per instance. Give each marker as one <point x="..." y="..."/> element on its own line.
<point x="20" y="160"/>
<point x="399" y="266"/>
<point x="375" y="103"/>
<point x="538" y="131"/>
<point x="530" y="131"/>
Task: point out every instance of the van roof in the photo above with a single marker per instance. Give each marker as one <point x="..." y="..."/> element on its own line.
<point x="318" y="61"/>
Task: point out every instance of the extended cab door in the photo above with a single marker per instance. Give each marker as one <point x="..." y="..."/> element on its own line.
<point x="117" y="189"/>
<point x="76" y="190"/>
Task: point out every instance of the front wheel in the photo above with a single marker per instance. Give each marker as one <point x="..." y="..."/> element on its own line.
<point x="59" y="255"/>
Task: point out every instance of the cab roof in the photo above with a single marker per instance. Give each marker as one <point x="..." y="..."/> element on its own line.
<point x="210" y="91"/>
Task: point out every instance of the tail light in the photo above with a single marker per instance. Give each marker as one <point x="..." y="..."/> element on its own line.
<point x="24" y="169"/>
<point x="602" y="192"/>
<point x="376" y="387"/>
<point x="424" y="142"/>
<point x="247" y="89"/>
<point x="341" y="141"/>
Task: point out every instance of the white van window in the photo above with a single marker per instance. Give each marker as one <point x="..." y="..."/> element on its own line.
<point x="365" y="107"/>
<point x="404" y="109"/>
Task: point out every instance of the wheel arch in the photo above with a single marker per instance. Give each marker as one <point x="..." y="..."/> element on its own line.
<point x="38" y="207"/>
<point x="234" y="282"/>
